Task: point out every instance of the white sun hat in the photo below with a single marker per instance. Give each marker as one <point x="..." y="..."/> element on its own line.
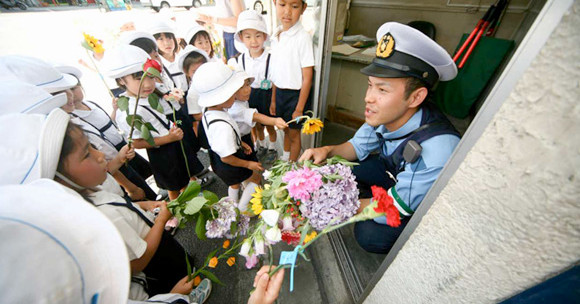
<point x="191" y="31"/>
<point x="250" y="19"/>
<point x="21" y="97"/>
<point x="50" y="144"/>
<point x="20" y="153"/>
<point x="37" y="72"/>
<point x="188" y="50"/>
<point x="158" y="26"/>
<point x="124" y="60"/>
<point x="215" y="83"/>
<point x="58" y="248"/>
<point x="130" y="36"/>
<point x="68" y="69"/>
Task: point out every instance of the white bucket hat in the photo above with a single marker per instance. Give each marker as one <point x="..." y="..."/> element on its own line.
<point x="51" y="139"/>
<point x="158" y="26"/>
<point x="188" y="50"/>
<point x="37" y="72"/>
<point x="21" y="97"/>
<point x="215" y="83"/>
<point x="124" y="60"/>
<point x="21" y="157"/>
<point x="68" y="69"/>
<point x="250" y="19"/>
<point x="56" y="247"/>
<point x="130" y="36"/>
<point x="194" y="29"/>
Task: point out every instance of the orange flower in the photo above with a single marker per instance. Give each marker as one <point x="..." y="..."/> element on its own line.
<point x="231" y="261"/>
<point x="213" y="262"/>
<point x="226" y="244"/>
<point x="196" y="281"/>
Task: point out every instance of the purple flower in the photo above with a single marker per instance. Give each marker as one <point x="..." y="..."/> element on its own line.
<point x="251" y="261"/>
<point x="302" y="182"/>
<point x="336" y="199"/>
<point x="220" y="227"/>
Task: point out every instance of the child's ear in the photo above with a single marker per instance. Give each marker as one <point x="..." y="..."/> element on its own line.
<point x="304" y="5"/>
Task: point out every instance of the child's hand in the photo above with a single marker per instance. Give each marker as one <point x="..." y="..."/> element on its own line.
<point x="175" y="133"/>
<point x="115" y="106"/>
<point x="183" y="287"/>
<point x="126" y="153"/>
<point x="273" y="108"/>
<point x="255" y="166"/>
<point x="247" y="149"/>
<point x="164" y="214"/>
<point x="136" y="194"/>
<point x="297" y="114"/>
<point x="280" y="123"/>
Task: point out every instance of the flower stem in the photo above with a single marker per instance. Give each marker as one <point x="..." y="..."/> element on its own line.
<point x="181" y="143"/>
<point x="135" y="112"/>
<point x="99" y="72"/>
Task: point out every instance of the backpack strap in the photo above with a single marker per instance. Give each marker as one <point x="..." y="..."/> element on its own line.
<point x="166" y="125"/>
<point x="267" y="66"/>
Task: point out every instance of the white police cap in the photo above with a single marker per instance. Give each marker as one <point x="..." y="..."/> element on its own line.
<point x="403" y="51"/>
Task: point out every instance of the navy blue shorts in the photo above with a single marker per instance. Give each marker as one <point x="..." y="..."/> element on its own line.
<point x="286" y="101"/>
<point x="260" y="100"/>
<point x="229" y="174"/>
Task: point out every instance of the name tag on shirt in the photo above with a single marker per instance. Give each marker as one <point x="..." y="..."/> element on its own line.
<point x="266" y="84"/>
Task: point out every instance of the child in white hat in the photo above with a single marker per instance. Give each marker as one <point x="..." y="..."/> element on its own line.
<point x="255" y="60"/>
<point x="20" y="97"/>
<point x="230" y="157"/>
<point x="123" y="163"/>
<point x="189" y="60"/>
<point x="164" y="35"/>
<point x="166" y="157"/>
<point x="199" y="37"/>
<point x="247" y="117"/>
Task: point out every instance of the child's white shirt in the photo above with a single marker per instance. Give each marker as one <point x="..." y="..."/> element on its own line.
<point x="254" y="67"/>
<point x="221" y="136"/>
<point x="95" y="139"/>
<point x="179" y="80"/>
<point x="191" y="99"/>
<point x="243" y="115"/>
<point x="98" y="118"/>
<point x="125" y="127"/>
<point x="291" y="51"/>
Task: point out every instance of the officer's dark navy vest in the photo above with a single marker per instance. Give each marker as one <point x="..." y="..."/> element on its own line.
<point x="433" y="123"/>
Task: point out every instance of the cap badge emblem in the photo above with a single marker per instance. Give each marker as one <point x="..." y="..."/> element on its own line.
<point x="386" y="46"/>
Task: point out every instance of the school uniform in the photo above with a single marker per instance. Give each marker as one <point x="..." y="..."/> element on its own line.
<point x="259" y="69"/>
<point x="243" y="115"/>
<point x="166" y="267"/>
<point x="291" y="51"/>
<point x="223" y="135"/>
<point x="166" y="161"/>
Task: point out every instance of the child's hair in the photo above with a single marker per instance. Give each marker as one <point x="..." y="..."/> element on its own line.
<point x="145" y="44"/>
<point x="203" y="34"/>
<point x="193" y="58"/>
<point x="170" y="36"/>
<point x="136" y="75"/>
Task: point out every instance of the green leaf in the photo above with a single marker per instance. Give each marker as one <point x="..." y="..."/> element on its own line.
<point x="153" y="72"/>
<point x="209" y="256"/>
<point x="211" y="276"/>
<point x="191" y="191"/>
<point x="154" y="102"/>
<point x="123" y="103"/>
<point x="138" y="120"/>
<point x="200" y="227"/>
<point x="189" y="274"/>
<point x="151" y="127"/>
<point x="146" y="135"/>
<point x="211" y="197"/>
<point x="86" y="45"/>
<point x="304" y="232"/>
<point x="194" y="205"/>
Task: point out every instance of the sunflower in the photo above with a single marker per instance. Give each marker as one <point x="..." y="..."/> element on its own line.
<point x="257" y="201"/>
<point x="312" y="125"/>
<point x="93" y="44"/>
<point x="309" y="237"/>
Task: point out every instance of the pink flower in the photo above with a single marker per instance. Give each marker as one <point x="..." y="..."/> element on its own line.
<point x="251" y="261"/>
<point x="302" y="182"/>
<point x="171" y="223"/>
<point x="287" y="223"/>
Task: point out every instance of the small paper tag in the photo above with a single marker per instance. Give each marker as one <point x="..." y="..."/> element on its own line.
<point x="289" y="258"/>
<point x="266" y="84"/>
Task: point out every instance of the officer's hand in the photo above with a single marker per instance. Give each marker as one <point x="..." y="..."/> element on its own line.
<point x="267" y="288"/>
<point x="318" y="155"/>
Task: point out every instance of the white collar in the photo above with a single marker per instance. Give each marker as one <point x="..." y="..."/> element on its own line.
<point x="290" y="32"/>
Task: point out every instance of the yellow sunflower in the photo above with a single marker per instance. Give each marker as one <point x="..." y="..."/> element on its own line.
<point x="309" y="237"/>
<point x="94" y="44"/>
<point x="257" y="201"/>
<point x="312" y="125"/>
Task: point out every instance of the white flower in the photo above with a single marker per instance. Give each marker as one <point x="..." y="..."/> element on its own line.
<point x="270" y="217"/>
<point x="259" y="246"/>
<point x="267" y="174"/>
<point x="287" y="223"/>
<point x="246" y="246"/>
<point x="273" y="235"/>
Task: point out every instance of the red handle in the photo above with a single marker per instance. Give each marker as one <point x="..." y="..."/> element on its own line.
<point x="472" y="46"/>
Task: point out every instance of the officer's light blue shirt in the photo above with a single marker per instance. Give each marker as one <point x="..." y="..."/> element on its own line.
<point x="413" y="183"/>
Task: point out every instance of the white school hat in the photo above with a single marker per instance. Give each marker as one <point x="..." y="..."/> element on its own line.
<point x="21" y="156"/>
<point x="215" y="83"/>
<point x="58" y="248"/>
<point x="37" y="72"/>
<point x="21" y="97"/>
<point x="188" y="50"/>
<point x="403" y="51"/>
<point x="243" y="73"/>
<point x="130" y="36"/>
<point x="68" y="69"/>
<point x="124" y="60"/>
<point x="194" y="29"/>
<point x="158" y="26"/>
<point x="250" y="19"/>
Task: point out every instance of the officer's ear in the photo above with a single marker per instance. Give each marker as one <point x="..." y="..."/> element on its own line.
<point x="417" y="97"/>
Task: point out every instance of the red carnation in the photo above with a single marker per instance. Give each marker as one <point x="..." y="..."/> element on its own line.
<point x="291" y="237"/>
<point x="152" y="64"/>
<point x="385" y="204"/>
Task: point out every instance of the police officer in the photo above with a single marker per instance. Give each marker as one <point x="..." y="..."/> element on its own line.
<point x="405" y="141"/>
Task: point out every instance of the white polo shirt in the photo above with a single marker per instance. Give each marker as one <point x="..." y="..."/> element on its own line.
<point x="221" y="136"/>
<point x="192" y="104"/>
<point x="243" y="115"/>
<point x="131" y="227"/>
<point x="99" y="118"/>
<point x="147" y="117"/>
<point x="95" y="139"/>
<point x="177" y="81"/>
<point x="254" y="67"/>
<point x="291" y="51"/>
